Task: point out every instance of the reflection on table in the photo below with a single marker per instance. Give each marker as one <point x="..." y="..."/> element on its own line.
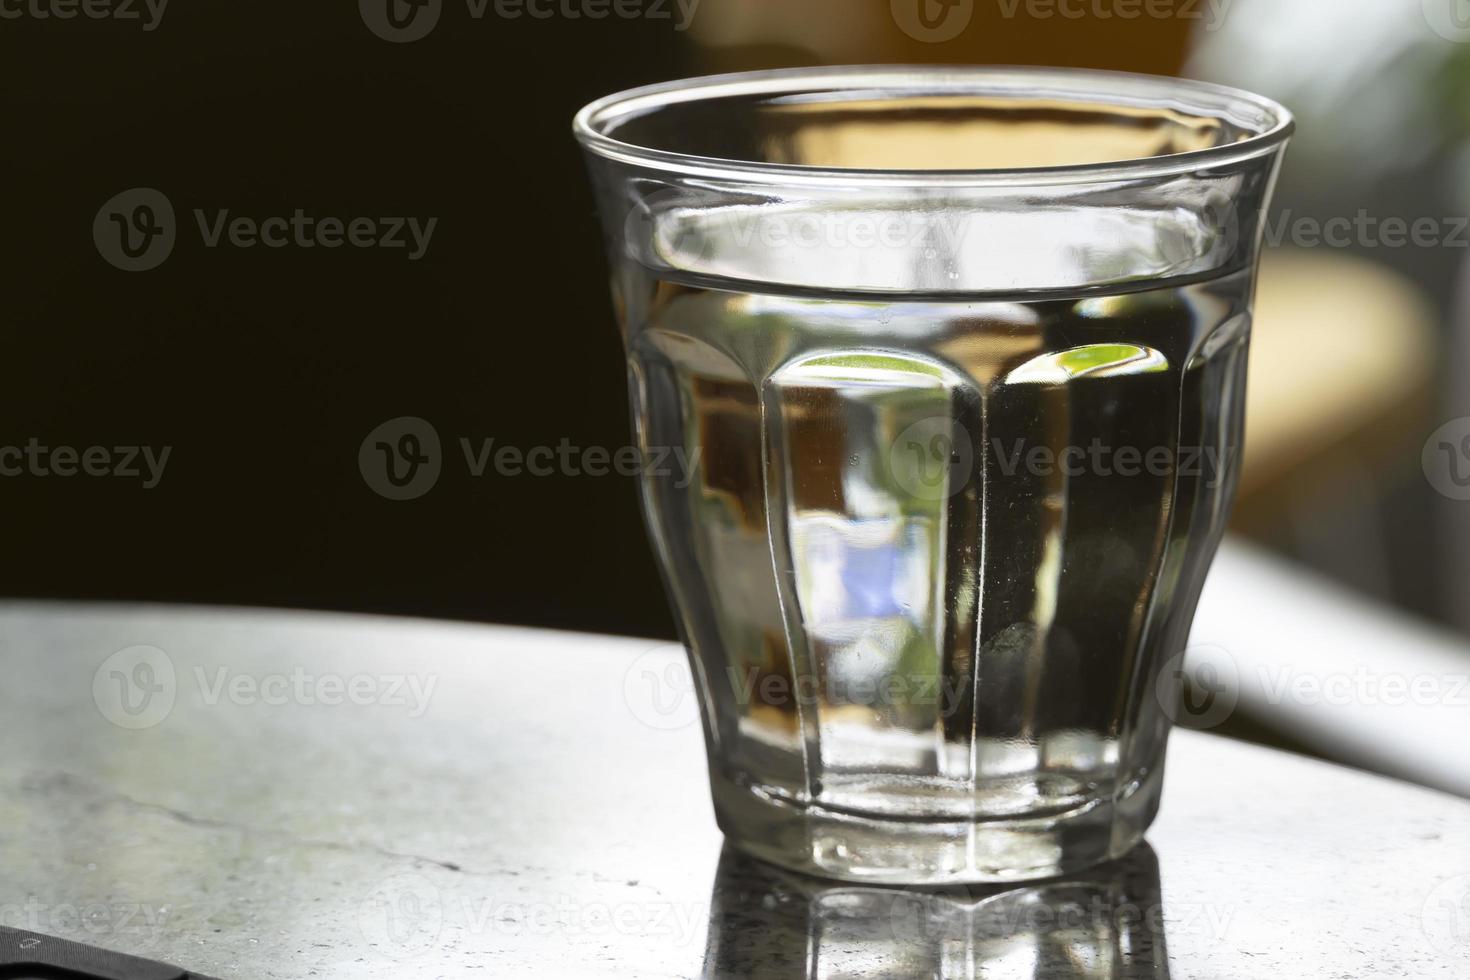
<point x="1106" y="923"/>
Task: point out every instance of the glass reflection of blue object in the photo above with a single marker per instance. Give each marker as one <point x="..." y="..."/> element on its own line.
<point x="855" y="570"/>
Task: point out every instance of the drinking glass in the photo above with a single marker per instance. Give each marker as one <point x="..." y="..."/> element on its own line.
<point x="956" y="359"/>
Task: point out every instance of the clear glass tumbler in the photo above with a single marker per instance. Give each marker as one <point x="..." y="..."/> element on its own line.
<point x="956" y="358"/>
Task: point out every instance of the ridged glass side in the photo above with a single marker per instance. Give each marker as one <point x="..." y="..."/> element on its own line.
<point x="933" y="553"/>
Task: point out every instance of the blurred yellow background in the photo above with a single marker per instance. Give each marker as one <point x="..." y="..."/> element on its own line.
<point x="1353" y="333"/>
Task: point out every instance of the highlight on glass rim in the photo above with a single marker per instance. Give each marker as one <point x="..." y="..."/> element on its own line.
<point x="737" y="489"/>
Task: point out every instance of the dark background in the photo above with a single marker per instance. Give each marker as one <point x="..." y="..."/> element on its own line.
<point x="265" y="369"/>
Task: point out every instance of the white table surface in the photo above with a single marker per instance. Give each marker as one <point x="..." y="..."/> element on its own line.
<point x="516" y="814"/>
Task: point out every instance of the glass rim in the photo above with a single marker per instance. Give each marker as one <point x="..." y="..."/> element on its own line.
<point x="1270" y="123"/>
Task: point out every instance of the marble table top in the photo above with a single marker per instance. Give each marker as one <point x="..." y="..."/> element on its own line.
<point x="293" y="795"/>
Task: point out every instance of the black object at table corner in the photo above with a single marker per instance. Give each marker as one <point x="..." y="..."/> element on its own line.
<point x="32" y="956"/>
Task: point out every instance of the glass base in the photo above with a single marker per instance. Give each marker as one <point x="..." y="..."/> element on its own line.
<point x="878" y="850"/>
